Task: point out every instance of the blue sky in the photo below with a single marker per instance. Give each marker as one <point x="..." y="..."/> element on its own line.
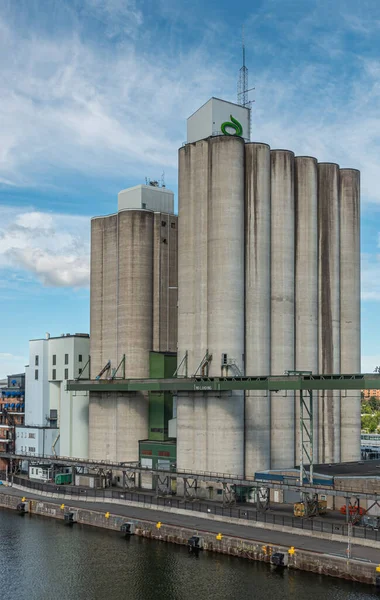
<point x="94" y="97"/>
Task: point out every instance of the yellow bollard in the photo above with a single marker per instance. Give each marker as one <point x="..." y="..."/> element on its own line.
<point x="219" y="536"/>
<point x="62" y="506"/>
<point x="291" y="551"/>
<point x="158" y="525"/>
<point x="107" y="515"/>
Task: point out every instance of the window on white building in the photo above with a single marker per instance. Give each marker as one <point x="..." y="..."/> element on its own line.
<point x="36" y="360"/>
<point x="66" y="373"/>
<point x="54" y="359"/>
<point x="36" y="374"/>
<point x="32" y="435"/>
<point x="66" y="359"/>
<point x="80" y="358"/>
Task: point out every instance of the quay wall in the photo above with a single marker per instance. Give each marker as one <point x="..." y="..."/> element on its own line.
<point x="325" y="564"/>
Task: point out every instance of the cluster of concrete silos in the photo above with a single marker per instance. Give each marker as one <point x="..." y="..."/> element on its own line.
<point x="269" y="281"/>
<point x="133" y="311"/>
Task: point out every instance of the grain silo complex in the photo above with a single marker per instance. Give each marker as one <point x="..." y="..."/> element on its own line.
<point x="264" y="279"/>
<point x="133" y="312"/>
<point x="269" y="272"/>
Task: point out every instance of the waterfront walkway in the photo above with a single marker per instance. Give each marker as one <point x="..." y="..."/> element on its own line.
<point x="201" y="523"/>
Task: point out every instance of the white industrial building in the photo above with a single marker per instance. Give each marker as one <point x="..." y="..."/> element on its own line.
<point x="56" y="420"/>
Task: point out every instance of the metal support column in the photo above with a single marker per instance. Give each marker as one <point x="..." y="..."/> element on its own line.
<point x="190" y="488"/>
<point x="183" y="361"/>
<point x="129" y="479"/>
<point x="162" y="484"/>
<point x="229" y="496"/>
<point x="307" y="451"/>
<point x="263" y="498"/>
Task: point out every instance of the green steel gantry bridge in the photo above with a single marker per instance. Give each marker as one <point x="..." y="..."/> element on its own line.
<point x="291" y="380"/>
<point x="303" y="382"/>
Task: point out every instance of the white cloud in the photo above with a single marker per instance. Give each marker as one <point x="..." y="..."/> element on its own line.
<point x="118" y="16"/>
<point x="10" y="364"/>
<point x="72" y="102"/>
<point x="53" y="247"/>
<point x="68" y="102"/>
<point x="370" y="277"/>
<point x="369" y="362"/>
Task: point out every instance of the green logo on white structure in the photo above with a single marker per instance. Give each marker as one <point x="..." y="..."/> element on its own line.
<point x="233" y="124"/>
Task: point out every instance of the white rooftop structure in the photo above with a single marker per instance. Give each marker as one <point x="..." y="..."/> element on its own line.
<point x="218" y="117"/>
<point x="150" y="197"/>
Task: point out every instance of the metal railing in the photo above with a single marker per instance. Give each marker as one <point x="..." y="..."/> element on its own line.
<point x="244" y="513"/>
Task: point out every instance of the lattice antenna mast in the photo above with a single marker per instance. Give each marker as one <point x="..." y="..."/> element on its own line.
<point x="242" y="88"/>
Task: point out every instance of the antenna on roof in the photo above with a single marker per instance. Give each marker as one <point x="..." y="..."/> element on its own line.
<point x="163" y="179"/>
<point x="242" y="86"/>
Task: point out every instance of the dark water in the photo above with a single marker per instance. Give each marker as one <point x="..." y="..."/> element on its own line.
<point x="42" y="559"/>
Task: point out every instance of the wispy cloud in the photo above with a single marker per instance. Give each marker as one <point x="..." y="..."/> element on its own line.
<point x="53" y="248"/>
<point x="11" y="364"/>
<point x="370" y="280"/>
<point x="118" y="16"/>
<point x="69" y="103"/>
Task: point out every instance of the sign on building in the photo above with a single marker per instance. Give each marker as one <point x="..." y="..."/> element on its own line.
<point x="218" y="117"/>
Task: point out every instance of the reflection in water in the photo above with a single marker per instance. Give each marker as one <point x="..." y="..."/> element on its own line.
<point x="42" y="559"/>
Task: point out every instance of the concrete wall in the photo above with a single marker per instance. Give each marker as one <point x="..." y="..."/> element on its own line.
<point x="134" y="254"/>
<point x="74" y="424"/>
<point x="329" y="307"/>
<point x="248" y="548"/>
<point x="225" y="302"/>
<point x="193" y="186"/>
<point x="37" y="390"/>
<point x="282" y="304"/>
<point x="301" y="237"/>
<point x="257" y="305"/>
<point x="36" y="441"/>
<point x="306" y="282"/>
<point x="349" y="201"/>
<point x="211" y="311"/>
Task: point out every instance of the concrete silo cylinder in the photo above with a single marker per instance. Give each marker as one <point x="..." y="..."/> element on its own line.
<point x="350" y="308"/>
<point x="329" y="308"/>
<point x="306" y="281"/>
<point x="225" y="295"/>
<point x="257" y="303"/>
<point x="282" y="304"/>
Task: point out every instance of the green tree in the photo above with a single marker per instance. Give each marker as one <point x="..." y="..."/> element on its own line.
<point x="374" y="403"/>
<point x="366" y="409"/>
<point x="370" y="423"/>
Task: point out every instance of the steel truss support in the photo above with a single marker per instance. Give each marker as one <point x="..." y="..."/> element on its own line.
<point x="115" y="371"/>
<point x="229" y="495"/>
<point x="263" y="498"/>
<point x="162" y="484"/>
<point x="307" y="451"/>
<point x="129" y="480"/>
<point x="190" y="488"/>
<point x="353" y="509"/>
<point x="88" y="364"/>
<point x="183" y="362"/>
<point x="306" y="436"/>
<point x="204" y="365"/>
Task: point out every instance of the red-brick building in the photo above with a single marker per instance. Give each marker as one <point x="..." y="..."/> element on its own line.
<point x="12" y="411"/>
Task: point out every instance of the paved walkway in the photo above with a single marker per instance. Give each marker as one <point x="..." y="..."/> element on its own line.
<point x="198" y="523"/>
